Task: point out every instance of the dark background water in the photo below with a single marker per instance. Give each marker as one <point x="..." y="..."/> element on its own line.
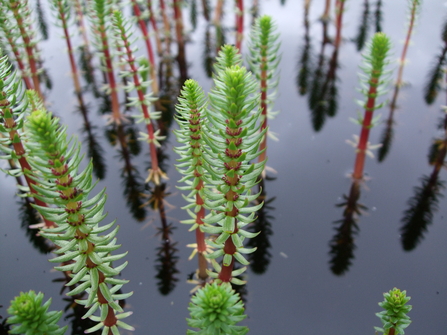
<point x="298" y="293"/>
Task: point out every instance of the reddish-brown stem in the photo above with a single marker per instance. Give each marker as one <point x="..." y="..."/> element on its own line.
<point x="364" y="135"/>
<point x="263" y="145"/>
<point x="392" y="331"/>
<point x="116" y="115"/>
<point x="144" y="107"/>
<point x="153" y="23"/>
<point x="403" y="56"/>
<point x="14" y="5"/>
<point x="80" y="22"/>
<point x="148" y="44"/>
<point x="339" y="8"/>
<point x="225" y="274"/>
<point x="20" y="64"/>
<point x="327" y="9"/>
<point x="24" y="165"/>
<point x="167" y="26"/>
<point x="218" y="12"/>
<point x="239" y="24"/>
<point x="74" y="68"/>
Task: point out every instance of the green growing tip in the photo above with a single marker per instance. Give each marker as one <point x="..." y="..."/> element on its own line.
<point x="394" y="318"/>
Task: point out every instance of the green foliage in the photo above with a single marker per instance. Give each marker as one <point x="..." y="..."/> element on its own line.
<point x="264" y="58"/>
<point x="233" y="136"/>
<point x="216" y="309"/>
<point x="82" y="248"/>
<point x="228" y="56"/>
<point x="30" y="317"/>
<point x="374" y="78"/>
<point x="395" y="314"/>
<point x="191" y="112"/>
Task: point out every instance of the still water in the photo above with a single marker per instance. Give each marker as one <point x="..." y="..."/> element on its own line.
<point x="291" y="288"/>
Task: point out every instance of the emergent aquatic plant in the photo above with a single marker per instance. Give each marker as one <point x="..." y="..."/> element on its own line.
<point x="373" y="86"/>
<point x="394" y="317"/>
<point x="216" y="309"/>
<point x="33" y="318"/>
<point x="83" y="250"/>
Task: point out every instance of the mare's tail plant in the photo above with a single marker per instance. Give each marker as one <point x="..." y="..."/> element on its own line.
<point x="62" y="10"/>
<point x="82" y="247"/>
<point x="31" y="317"/>
<point x="264" y="62"/>
<point x="100" y="10"/>
<point x="20" y="10"/>
<point x="216" y="309"/>
<point x="387" y="135"/>
<point x="142" y="101"/>
<point x="394" y="317"/>
<point x="373" y="86"/>
<point x="233" y="138"/>
<point x="191" y="118"/>
<point x="12" y="103"/>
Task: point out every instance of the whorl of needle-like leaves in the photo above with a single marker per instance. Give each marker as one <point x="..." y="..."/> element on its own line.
<point x="263" y="57"/>
<point x="373" y="71"/>
<point x="61" y="10"/>
<point x="395" y="312"/>
<point x="216" y="309"/>
<point x="83" y="249"/>
<point x="123" y="37"/>
<point x="191" y="113"/>
<point x="228" y="56"/>
<point x="11" y="105"/>
<point x="99" y="12"/>
<point x="30" y="317"/>
<point x="233" y="137"/>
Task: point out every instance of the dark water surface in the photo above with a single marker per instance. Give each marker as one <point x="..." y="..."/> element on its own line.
<point x="298" y="293"/>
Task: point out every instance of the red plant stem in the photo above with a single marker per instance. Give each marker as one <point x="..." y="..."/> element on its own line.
<point x="10" y="124"/>
<point x="225" y="274"/>
<point x="263" y="145"/>
<point x="154" y="26"/>
<point x="392" y="331"/>
<point x="116" y="115"/>
<point x="178" y="22"/>
<point x="144" y="108"/>
<point x="364" y="135"/>
<point x="150" y="52"/>
<point x="327" y="9"/>
<point x="239" y="24"/>
<point x="25" y="78"/>
<point x="167" y="26"/>
<point x="80" y="21"/>
<point x="181" y="56"/>
<point x="403" y="57"/>
<point x="14" y="5"/>
<point x="218" y="12"/>
<point x="74" y="69"/>
<point x="339" y="8"/>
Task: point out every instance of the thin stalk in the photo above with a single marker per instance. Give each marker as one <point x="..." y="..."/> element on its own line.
<point x="239" y="23"/>
<point x="62" y="12"/>
<point x="218" y="12"/>
<point x="366" y="127"/>
<point x="11" y="126"/>
<point x="339" y="9"/>
<point x="155" y="27"/>
<point x="143" y="103"/>
<point x="15" y="7"/>
<point x="148" y="44"/>
<point x="101" y="30"/>
<point x="166" y="25"/>
<point x="403" y="56"/>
